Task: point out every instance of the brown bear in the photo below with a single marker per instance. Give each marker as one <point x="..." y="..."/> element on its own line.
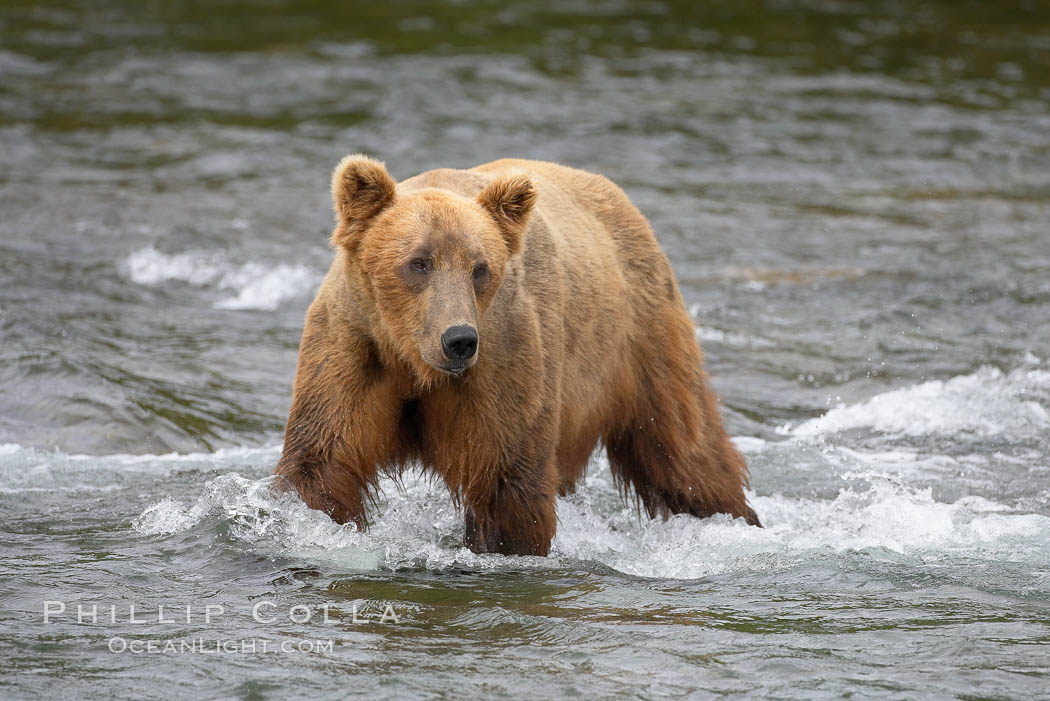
<point x="495" y="325"/>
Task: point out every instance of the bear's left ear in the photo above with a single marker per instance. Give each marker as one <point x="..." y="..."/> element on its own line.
<point x="509" y="199"/>
<point x="361" y="189"/>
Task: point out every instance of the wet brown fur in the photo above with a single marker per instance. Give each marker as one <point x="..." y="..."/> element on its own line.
<point x="584" y="339"/>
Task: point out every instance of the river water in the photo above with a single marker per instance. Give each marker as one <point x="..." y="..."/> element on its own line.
<point x="855" y="198"/>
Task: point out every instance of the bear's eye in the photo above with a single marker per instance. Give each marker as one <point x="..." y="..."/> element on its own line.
<point x="422" y="265"/>
<point x="480" y="271"/>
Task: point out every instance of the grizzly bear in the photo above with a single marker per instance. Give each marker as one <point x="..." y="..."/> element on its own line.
<point x="495" y="325"/>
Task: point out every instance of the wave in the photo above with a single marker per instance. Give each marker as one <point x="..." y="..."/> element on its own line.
<point x="256" y="285"/>
<point x="25" y="469"/>
<point x="985" y="404"/>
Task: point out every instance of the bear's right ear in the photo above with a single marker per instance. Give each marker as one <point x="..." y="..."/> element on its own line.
<point x="361" y="189"/>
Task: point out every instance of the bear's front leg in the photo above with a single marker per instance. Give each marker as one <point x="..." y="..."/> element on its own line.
<point x="331" y="457"/>
<point x="343" y="426"/>
<point x="512" y="514"/>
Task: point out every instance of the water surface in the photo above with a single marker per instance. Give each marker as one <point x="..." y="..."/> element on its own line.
<point x="855" y="199"/>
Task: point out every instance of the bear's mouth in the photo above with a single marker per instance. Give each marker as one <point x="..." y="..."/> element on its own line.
<point x="455" y="368"/>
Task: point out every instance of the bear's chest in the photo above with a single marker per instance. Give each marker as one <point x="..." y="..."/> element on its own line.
<point x="446" y="431"/>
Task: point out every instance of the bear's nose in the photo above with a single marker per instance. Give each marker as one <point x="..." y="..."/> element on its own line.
<point x="459" y="342"/>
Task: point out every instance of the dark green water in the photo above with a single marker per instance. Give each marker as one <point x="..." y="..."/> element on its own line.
<point x="855" y="197"/>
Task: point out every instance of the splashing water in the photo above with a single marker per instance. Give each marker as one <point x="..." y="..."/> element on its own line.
<point x="418" y="527"/>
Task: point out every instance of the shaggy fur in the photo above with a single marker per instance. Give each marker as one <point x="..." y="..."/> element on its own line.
<point x="583" y="339"/>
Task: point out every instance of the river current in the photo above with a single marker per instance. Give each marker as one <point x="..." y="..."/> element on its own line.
<point x="855" y="198"/>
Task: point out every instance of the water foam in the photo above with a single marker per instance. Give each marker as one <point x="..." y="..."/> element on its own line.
<point x="256" y="286"/>
<point x="985" y="404"/>
<point x="872" y="511"/>
<point x="418" y="527"/>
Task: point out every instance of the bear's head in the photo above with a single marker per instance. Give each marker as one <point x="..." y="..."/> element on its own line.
<point x="429" y="260"/>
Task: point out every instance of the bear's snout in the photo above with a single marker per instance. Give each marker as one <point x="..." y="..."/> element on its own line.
<point x="459" y="342"/>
